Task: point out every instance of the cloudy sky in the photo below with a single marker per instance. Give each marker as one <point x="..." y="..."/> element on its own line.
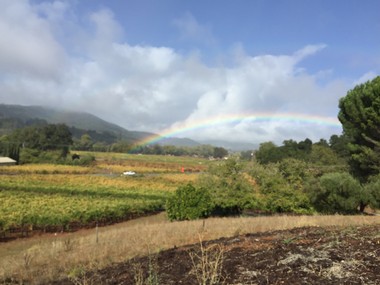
<point x="183" y="67"/>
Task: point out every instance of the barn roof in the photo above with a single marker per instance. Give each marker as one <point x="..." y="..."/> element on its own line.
<point x="6" y="160"/>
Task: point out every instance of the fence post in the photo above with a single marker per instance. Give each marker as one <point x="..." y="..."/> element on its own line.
<point x="97" y="233"/>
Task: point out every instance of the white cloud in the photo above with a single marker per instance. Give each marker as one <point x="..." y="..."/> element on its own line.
<point x="54" y="11"/>
<point x="106" y="28"/>
<point x="307" y="51"/>
<point x="191" y="30"/>
<point x="27" y="46"/>
<point x="364" y="78"/>
<point x="155" y="88"/>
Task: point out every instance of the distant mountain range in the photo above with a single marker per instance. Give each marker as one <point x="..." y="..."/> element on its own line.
<point x="18" y="116"/>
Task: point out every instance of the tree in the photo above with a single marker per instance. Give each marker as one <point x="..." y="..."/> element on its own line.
<point x="294" y="171"/>
<point x="360" y="116"/>
<point x="322" y="142"/>
<point x="339" y="144"/>
<point x="372" y="187"/>
<point x="246" y="155"/>
<point x="44" y="138"/>
<point x="85" y="142"/>
<point x="230" y="190"/>
<point x="9" y="149"/>
<point x="121" y="146"/>
<point x="189" y="203"/>
<point x="63" y="138"/>
<point x="220" y="152"/>
<point x="339" y="192"/>
<point x="305" y="145"/>
<point x="280" y="186"/>
<point x="323" y="155"/>
<point x="268" y="152"/>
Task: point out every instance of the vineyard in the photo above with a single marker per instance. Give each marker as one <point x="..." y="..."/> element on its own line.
<point x="50" y="198"/>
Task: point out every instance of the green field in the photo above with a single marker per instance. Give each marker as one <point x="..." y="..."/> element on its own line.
<point x="51" y="197"/>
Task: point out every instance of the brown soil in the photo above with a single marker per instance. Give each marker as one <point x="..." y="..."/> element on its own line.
<point x="311" y="255"/>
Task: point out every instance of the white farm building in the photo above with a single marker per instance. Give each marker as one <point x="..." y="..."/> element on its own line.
<point x="7" y="161"/>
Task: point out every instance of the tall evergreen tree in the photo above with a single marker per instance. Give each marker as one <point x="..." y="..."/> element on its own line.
<point x="360" y="117"/>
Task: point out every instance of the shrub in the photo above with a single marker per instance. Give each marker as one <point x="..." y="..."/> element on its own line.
<point x="189" y="203"/>
<point x="337" y="193"/>
<point x="230" y="189"/>
<point x="84" y="160"/>
<point x="294" y="171"/>
<point x="372" y="188"/>
<point x="288" y="200"/>
<point x="30" y="155"/>
<point x="281" y="187"/>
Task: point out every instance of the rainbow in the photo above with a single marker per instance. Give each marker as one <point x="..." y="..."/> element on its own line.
<point x="230" y="119"/>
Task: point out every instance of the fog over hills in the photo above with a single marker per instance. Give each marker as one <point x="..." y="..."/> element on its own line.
<point x="13" y="116"/>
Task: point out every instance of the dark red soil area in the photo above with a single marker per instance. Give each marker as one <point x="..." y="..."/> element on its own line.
<point x="312" y="255"/>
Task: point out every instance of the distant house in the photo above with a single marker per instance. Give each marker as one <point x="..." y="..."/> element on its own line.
<point x="7" y="161"/>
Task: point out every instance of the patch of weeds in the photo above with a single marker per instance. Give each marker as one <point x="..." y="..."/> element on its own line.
<point x="27" y="260"/>
<point x="290" y="240"/>
<point x="68" y="245"/>
<point x="207" y="264"/>
<point x="349" y="231"/>
<point x="152" y="271"/>
<point x="238" y="231"/>
<point x="80" y="276"/>
<point x="152" y="277"/>
<point x="138" y="275"/>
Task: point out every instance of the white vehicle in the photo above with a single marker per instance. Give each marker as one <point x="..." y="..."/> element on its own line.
<point x="129" y="173"/>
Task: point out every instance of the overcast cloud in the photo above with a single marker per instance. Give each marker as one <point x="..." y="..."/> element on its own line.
<point x="50" y="55"/>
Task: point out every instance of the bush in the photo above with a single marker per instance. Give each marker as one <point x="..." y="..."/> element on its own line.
<point x="337" y="193"/>
<point x="281" y="187"/>
<point x="294" y="171"/>
<point x="230" y="188"/>
<point x="189" y="203"/>
<point x="372" y="188"/>
<point x="84" y="160"/>
<point x="29" y="155"/>
<point x="288" y="200"/>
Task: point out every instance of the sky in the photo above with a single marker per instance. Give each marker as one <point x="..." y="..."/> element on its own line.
<point x="243" y="70"/>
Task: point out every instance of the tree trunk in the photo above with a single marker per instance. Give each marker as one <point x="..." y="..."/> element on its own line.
<point x="362" y="207"/>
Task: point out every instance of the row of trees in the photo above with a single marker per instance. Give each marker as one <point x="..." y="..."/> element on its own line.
<point x="50" y="137"/>
<point x="339" y="176"/>
<point x="334" y="152"/>
<point x="87" y="143"/>
<point x="31" y="142"/>
<point x="288" y="186"/>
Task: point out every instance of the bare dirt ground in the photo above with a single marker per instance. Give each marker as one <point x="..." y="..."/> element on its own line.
<point x="309" y="255"/>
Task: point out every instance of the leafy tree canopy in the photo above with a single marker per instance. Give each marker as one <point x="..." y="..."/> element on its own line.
<point x="42" y="138"/>
<point x="339" y="193"/>
<point x="360" y="116"/>
<point x="220" y="152"/>
<point x="189" y="203"/>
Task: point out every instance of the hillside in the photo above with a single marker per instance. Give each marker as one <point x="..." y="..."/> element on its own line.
<point x="13" y="116"/>
<point x="18" y="116"/>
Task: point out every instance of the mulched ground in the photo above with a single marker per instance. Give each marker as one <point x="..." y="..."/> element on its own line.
<point x="310" y="255"/>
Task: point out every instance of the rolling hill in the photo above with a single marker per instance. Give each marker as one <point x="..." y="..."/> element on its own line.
<point x="18" y="116"/>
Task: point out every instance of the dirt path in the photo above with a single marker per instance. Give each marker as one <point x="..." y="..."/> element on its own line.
<point x="16" y="246"/>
